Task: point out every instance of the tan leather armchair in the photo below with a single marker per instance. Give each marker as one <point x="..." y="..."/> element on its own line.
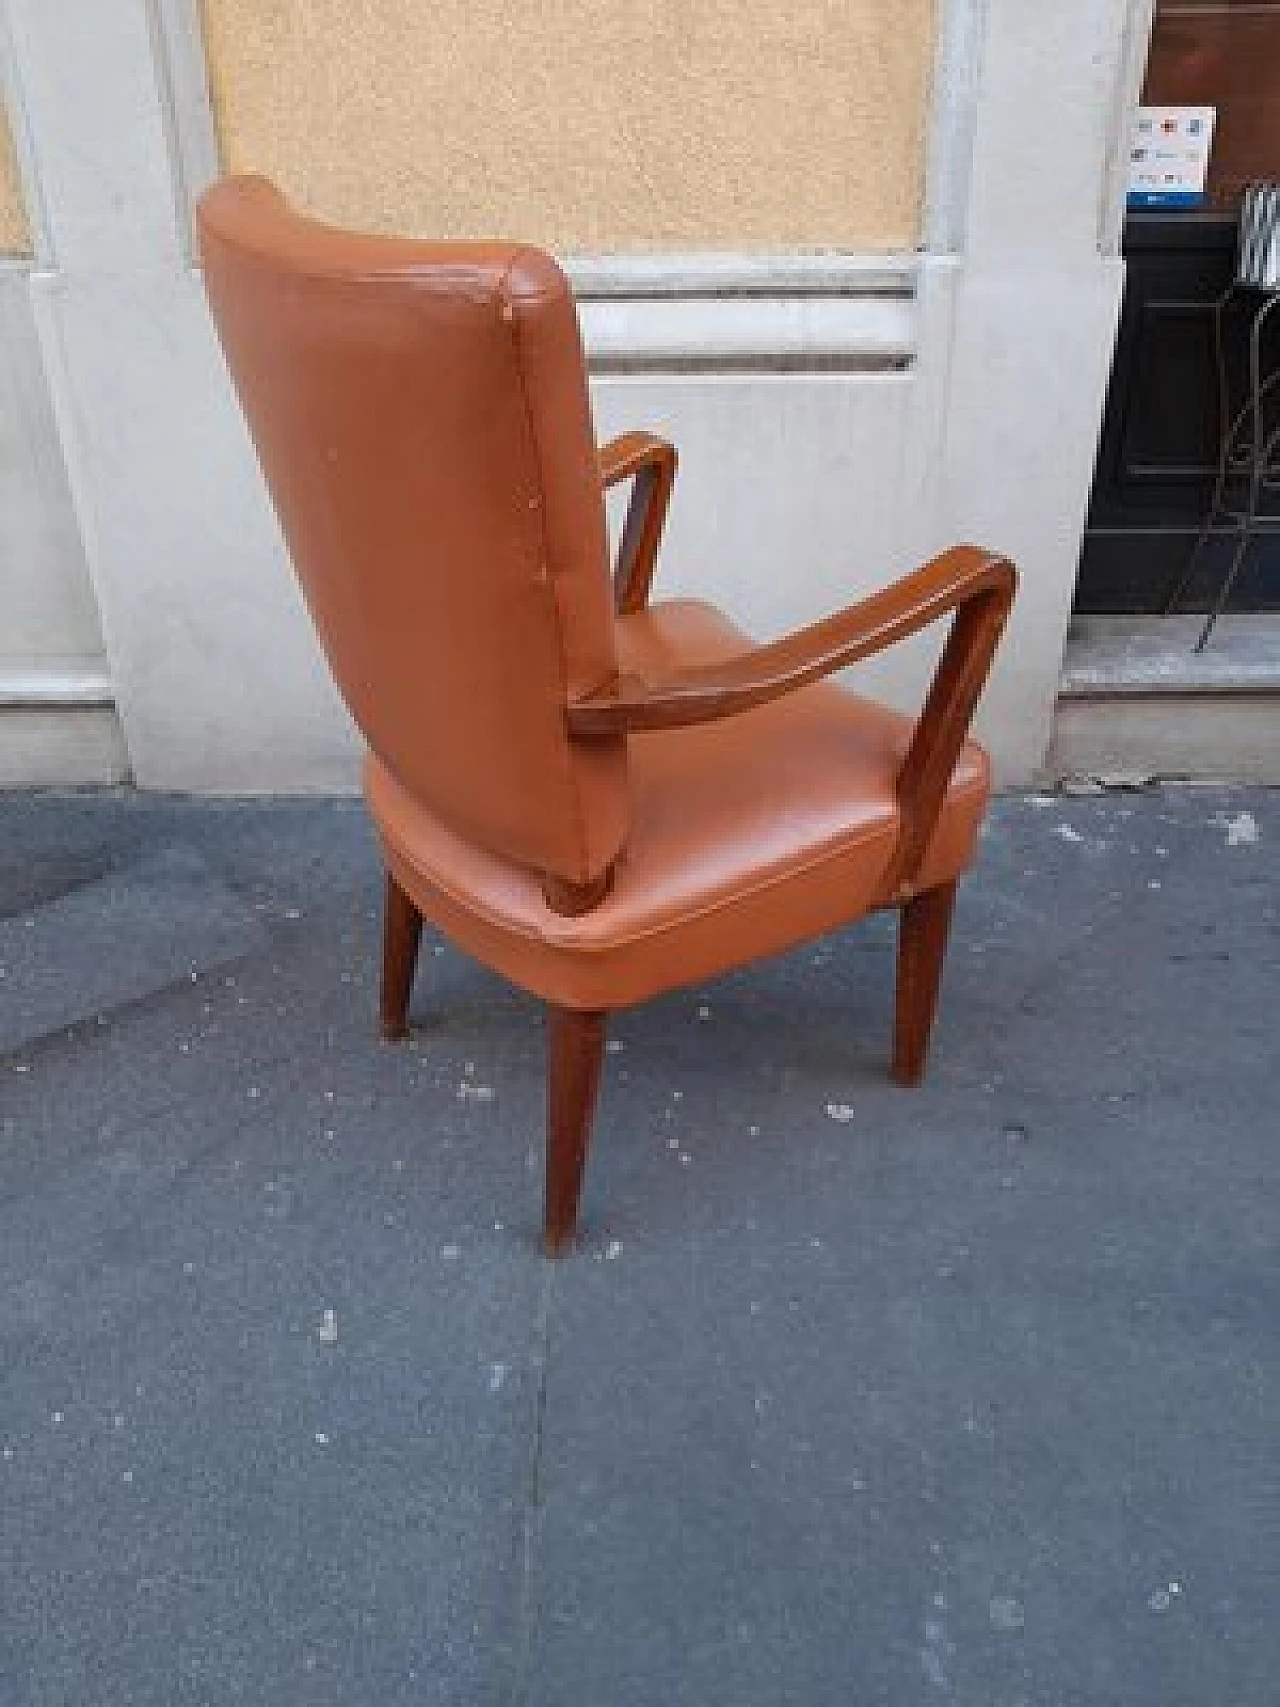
<point x="600" y="797"/>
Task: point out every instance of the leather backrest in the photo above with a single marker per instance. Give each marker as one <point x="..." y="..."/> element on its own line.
<point x="420" y="412"/>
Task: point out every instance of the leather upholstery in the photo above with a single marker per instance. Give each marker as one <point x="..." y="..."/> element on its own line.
<point x="747" y="836"/>
<point x="420" y="412"/>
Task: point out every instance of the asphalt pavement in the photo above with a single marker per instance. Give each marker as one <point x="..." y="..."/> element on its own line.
<point x="851" y="1395"/>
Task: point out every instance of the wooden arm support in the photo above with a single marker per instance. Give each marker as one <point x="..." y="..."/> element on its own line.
<point x="701" y="693"/>
<point x="651" y="462"/>
<point x="978" y="586"/>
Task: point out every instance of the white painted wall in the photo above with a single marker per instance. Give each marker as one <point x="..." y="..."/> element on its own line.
<point x="800" y="489"/>
<point x="57" y="718"/>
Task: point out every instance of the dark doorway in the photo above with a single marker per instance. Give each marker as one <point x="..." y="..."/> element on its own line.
<point x="1160" y="437"/>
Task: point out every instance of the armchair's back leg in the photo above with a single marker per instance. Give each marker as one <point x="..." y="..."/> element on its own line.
<point x="922" y="945"/>
<point x="575" y="1052"/>
<point x="401" y="934"/>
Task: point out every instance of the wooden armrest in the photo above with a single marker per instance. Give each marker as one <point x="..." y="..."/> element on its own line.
<point x="651" y="462"/>
<point x="703" y="692"/>
<point x="978" y="586"/>
<point x="630" y="452"/>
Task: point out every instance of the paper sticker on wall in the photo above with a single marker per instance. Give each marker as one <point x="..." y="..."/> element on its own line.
<point x="1169" y="160"/>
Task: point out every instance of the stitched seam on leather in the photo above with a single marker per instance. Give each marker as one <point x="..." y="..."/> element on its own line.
<point x="567" y="944"/>
<point x="577" y="816"/>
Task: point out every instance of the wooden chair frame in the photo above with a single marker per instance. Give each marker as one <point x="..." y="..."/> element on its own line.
<point x="974" y="587"/>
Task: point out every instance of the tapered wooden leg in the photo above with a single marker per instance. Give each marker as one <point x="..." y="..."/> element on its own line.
<point x="575" y="1051"/>
<point x="922" y="944"/>
<point x="401" y="934"/>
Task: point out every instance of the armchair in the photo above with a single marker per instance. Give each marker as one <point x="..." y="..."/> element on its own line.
<point x="600" y="796"/>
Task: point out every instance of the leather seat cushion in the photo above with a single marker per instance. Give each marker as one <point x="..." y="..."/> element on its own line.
<point x="747" y="835"/>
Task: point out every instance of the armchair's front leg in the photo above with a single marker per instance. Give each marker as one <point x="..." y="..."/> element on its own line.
<point x="923" y="928"/>
<point x="650" y="462"/>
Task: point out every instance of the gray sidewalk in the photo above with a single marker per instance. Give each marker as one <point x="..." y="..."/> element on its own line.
<point x="852" y="1396"/>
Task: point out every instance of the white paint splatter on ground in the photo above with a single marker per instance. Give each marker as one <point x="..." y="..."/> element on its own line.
<point x="450" y="1253"/>
<point x="1065" y="833"/>
<point x="1161" y="1599"/>
<point x="327" y="1332"/>
<point x="276" y="1199"/>
<point x="1006" y="1613"/>
<point x="469" y="1092"/>
<point x="931" y="1663"/>
<point x="841" y="1113"/>
<point x="497" y="1376"/>
<point x="1241" y="827"/>
<point x="613" y="1250"/>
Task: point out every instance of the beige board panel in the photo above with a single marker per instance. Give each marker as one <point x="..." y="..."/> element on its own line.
<point x="15" y="233"/>
<point x="587" y="125"/>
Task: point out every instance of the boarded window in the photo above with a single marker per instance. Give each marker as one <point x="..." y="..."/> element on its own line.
<point x="588" y="125"/>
